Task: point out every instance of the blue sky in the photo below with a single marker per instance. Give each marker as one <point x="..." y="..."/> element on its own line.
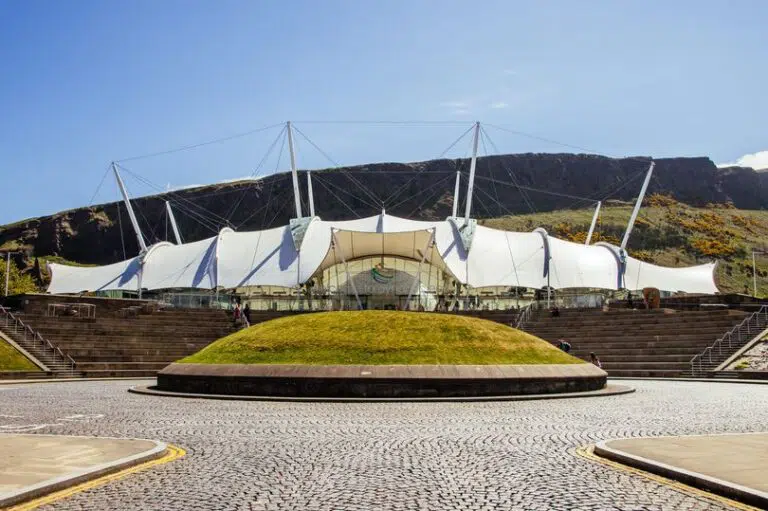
<point x="87" y="82"/>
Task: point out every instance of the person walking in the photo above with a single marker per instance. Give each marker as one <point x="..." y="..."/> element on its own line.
<point x="593" y="358"/>
<point x="236" y="313"/>
<point x="247" y="314"/>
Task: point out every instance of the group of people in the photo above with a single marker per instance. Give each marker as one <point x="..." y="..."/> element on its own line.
<point x="566" y="347"/>
<point x="241" y="315"/>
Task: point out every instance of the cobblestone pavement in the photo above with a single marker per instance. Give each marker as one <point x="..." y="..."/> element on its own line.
<point x="333" y="456"/>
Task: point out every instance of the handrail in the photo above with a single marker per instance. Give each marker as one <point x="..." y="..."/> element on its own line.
<point x="729" y="337"/>
<point x="19" y="324"/>
<point x="525" y="315"/>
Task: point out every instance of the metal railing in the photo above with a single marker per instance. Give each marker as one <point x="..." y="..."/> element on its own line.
<point x="525" y="315"/>
<point x="733" y="340"/>
<point x="27" y="336"/>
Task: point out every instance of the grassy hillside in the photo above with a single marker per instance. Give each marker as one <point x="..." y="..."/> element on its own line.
<point x="669" y="233"/>
<point x="12" y="360"/>
<point x="380" y="338"/>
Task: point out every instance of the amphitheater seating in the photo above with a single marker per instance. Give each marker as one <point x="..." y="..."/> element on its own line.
<point x="636" y="343"/>
<point x="110" y="346"/>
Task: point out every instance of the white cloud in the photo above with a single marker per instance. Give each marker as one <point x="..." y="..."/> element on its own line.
<point x="499" y="105"/>
<point x="457" y="107"/>
<point x="454" y="104"/>
<point x="757" y="161"/>
<point x="510" y="72"/>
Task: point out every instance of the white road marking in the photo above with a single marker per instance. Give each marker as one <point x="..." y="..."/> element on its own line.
<point x="81" y="417"/>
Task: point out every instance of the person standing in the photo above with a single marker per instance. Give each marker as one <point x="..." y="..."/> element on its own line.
<point x="236" y="313"/>
<point x="593" y="358"/>
<point x="247" y="314"/>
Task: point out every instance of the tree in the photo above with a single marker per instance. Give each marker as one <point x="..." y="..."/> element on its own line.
<point x="18" y="282"/>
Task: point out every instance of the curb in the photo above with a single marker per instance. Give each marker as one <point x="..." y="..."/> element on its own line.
<point x="708" y="483"/>
<point x="68" y="380"/>
<point x="703" y="380"/>
<point x="612" y="390"/>
<point x="72" y="479"/>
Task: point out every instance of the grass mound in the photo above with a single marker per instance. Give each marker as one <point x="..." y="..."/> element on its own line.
<point x="12" y="360"/>
<point x="380" y="338"/>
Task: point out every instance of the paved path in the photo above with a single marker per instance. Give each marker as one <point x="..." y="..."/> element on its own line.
<point x="37" y="464"/>
<point x="362" y="456"/>
<point x="725" y="462"/>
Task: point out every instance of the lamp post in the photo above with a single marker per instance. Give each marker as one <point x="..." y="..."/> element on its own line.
<point x="7" y="270"/>
<point x="754" y="270"/>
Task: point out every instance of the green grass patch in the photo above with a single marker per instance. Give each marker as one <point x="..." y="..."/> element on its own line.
<point x="380" y="338"/>
<point x="12" y="360"/>
<point x="61" y="260"/>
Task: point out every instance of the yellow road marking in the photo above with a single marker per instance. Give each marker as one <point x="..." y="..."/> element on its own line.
<point x="171" y="454"/>
<point x="588" y="452"/>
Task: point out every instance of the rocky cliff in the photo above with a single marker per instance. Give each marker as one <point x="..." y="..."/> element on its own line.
<point x="505" y="185"/>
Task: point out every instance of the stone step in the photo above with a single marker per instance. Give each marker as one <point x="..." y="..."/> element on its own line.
<point x="166" y="358"/>
<point x="646" y="365"/>
<point x="87" y="367"/>
<point x="22" y="375"/>
<point x="112" y="339"/>
<point x="582" y="350"/>
<point x="700" y="344"/>
<point x="637" y="340"/>
<point x="111" y="351"/>
<point x="119" y="373"/>
<point x="555" y="325"/>
<point x="127" y="330"/>
<point x="611" y="358"/>
<point x="644" y="373"/>
<point x="87" y="351"/>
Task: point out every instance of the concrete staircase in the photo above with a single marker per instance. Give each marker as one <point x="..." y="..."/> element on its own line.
<point x="141" y="345"/>
<point x="636" y="343"/>
<point x="707" y="362"/>
<point x="58" y="363"/>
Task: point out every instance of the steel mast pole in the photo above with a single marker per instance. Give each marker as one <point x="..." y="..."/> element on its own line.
<point x="8" y="271"/>
<point x="754" y="277"/>
<point x="175" y="227"/>
<point x="456" y="195"/>
<point x="472" y="166"/>
<point x="594" y="222"/>
<point x="294" y="174"/>
<point x="637" y="207"/>
<point x="311" y="195"/>
<point x="131" y="214"/>
<point x="631" y="224"/>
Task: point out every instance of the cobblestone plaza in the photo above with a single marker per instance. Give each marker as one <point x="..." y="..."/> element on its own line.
<point x="348" y="456"/>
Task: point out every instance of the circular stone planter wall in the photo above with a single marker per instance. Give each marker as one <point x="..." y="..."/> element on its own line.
<point x="402" y="381"/>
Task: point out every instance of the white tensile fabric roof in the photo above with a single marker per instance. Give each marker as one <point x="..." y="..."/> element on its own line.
<point x="270" y="258"/>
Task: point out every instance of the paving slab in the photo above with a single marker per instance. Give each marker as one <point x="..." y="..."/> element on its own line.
<point x="446" y="456"/>
<point x="734" y="465"/>
<point x="34" y="465"/>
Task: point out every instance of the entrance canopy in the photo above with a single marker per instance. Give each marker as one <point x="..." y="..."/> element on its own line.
<point x="292" y="255"/>
<point x="386" y="236"/>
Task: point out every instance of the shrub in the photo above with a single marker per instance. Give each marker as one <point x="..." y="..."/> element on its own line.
<point x="661" y="200"/>
<point x="642" y="255"/>
<point x="18" y="282"/>
<point x="708" y="247"/>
